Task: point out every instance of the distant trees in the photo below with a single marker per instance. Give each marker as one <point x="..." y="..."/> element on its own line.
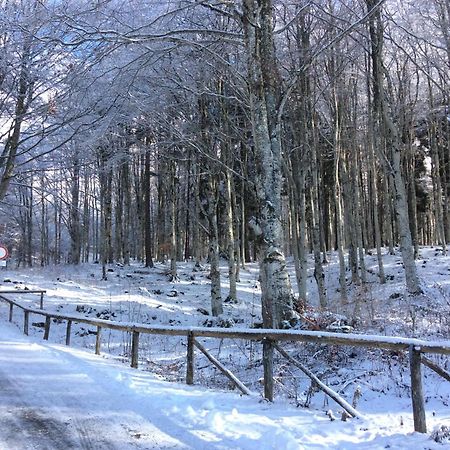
<point x="240" y="130"/>
<point x="390" y="115"/>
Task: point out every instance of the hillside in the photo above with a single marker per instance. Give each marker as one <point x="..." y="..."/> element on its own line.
<point x="135" y="294"/>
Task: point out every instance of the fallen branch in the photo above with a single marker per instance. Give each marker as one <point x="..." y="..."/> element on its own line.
<point x="322" y="386"/>
<point x="223" y="369"/>
<point x="435" y="368"/>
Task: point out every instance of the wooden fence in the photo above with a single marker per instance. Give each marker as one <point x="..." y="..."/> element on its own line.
<point x="269" y="338"/>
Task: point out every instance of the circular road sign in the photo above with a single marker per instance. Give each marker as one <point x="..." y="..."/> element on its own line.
<point x="3" y="252"/>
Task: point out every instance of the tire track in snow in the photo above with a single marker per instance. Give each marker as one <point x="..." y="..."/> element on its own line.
<point x="21" y="423"/>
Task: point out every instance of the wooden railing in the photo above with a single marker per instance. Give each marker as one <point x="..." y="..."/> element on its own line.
<point x="28" y="291"/>
<point x="269" y="338"/>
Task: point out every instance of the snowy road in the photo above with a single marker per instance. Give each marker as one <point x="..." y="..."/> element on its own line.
<point x="58" y="398"/>
<point x="50" y="399"/>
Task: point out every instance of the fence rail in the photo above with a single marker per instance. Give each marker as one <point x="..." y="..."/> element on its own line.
<point x="27" y="291"/>
<point x="269" y="337"/>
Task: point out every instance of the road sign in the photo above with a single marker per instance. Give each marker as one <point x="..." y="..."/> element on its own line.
<point x="3" y="252"/>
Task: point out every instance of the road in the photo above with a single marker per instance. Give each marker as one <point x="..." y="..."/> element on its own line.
<point x="51" y="399"/>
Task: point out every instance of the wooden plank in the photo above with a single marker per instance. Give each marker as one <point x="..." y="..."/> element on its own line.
<point x="26" y="315"/>
<point x="41" y="302"/>
<point x="435" y="368"/>
<point x="11" y="306"/>
<point x="190" y="359"/>
<point x="332" y="394"/>
<point x="418" y="403"/>
<point x="135" y="350"/>
<point x="47" y="328"/>
<point x="268" y="369"/>
<point x="98" y="340"/>
<point x="223" y="369"/>
<point x="68" y="331"/>
<point x="385" y="342"/>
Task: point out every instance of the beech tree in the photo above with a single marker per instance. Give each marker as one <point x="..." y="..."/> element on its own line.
<point x="394" y="147"/>
<point x="250" y="130"/>
<point x="264" y="82"/>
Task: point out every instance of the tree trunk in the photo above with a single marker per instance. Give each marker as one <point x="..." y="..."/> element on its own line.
<point x="230" y="239"/>
<point x="8" y="157"/>
<point x="105" y="211"/>
<point x="394" y="151"/>
<point x="172" y="219"/>
<point x="340" y="230"/>
<point x="125" y="176"/>
<point x="437" y="190"/>
<point x="375" y="206"/>
<point x="210" y="197"/>
<point x="319" y="274"/>
<point x="148" y="244"/>
<point x="74" y="213"/>
<point x="86" y="240"/>
<point x="263" y="81"/>
<point x="338" y="196"/>
<point x="350" y="224"/>
<point x="358" y="217"/>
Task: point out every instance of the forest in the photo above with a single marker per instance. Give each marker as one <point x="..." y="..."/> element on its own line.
<point x="237" y="131"/>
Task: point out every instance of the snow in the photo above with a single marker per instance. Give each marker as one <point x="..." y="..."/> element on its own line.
<point x="73" y="399"/>
<point x="53" y="396"/>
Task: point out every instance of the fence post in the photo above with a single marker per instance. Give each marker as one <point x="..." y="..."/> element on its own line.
<point x="98" y="340"/>
<point x="11" y="306"/>
<point x="418" y="403"/>
<point x="41" y="303"/>
<point x="268" y="369"/>
<point x="68" y="330"/>
<point x="47" y="328"/>
<point x="26" y="315"/>
<point x="135" y="350"/>
<point x="190" y="358"/>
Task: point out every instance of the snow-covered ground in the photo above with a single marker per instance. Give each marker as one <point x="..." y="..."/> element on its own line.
<point x="54" y="397"/>
<point x="69" y="398"/>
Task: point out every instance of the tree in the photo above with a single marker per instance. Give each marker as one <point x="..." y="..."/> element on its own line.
<point x="394" y="147"/>
<point x="263" y="83"/>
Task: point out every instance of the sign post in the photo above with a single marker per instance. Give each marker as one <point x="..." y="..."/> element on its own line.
<point x="3" y="255"/>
